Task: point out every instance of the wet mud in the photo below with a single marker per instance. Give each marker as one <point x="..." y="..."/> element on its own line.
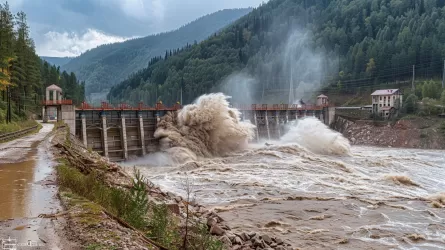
<point x="28" y="189"/>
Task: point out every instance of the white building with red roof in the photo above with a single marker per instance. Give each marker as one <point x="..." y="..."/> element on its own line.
<point x="386" y="101"/>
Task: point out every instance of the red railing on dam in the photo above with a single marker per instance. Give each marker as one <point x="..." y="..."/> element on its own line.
<point x="57" y="102"/>
<point x="278" y="107"/>
<point x="160" y="106"/>
<point x="124" y="106"/>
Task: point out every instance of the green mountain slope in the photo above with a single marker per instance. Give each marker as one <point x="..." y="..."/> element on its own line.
<point x="58" y="61"/>
<point x="109" y="64"/>
<point x="338" y="45"/>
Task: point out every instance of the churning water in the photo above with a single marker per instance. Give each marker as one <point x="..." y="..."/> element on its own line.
<point x="311" y="188"/>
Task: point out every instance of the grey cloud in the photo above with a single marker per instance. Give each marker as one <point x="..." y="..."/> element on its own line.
<point x="118" y="19"/>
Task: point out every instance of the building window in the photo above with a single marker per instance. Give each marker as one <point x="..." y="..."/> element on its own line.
<point x="380" y="104"/>
<point x="380" y="98"/>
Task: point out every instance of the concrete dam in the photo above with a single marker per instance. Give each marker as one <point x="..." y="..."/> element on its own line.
<point x="121" y="132"/>
<point x="124" y="131"/>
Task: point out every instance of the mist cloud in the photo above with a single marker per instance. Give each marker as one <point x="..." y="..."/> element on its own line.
<point x="293" y="71"/>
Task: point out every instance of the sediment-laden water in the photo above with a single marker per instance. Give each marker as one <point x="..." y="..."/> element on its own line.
<point x="310" y="188"/>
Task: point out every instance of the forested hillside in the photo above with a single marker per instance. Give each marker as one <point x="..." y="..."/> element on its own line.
<point x="109" y="64"/>
<point x="349" y="43"/>
<point x="23" y="75"/>
<point x="58" y="61"/>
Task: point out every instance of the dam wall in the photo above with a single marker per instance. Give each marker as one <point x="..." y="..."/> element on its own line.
<point x="125" y="132"/>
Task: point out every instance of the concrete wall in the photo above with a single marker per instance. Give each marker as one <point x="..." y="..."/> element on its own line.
<point x="69" y="117"/>
<point x="354" y="113"/>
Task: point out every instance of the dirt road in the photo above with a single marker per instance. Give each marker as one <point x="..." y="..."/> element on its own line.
<point x="27" y="189"/>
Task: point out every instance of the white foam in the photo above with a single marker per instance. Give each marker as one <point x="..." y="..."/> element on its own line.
<point x="315" y="136"/>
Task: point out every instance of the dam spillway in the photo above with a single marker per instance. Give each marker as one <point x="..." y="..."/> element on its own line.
<point x="121" y="132"/>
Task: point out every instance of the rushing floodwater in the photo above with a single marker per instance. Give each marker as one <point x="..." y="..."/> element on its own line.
<point x="310" y="188"/>
<point x="375" y="209"/>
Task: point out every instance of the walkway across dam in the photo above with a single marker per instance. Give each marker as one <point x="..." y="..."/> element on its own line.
<point x="125" y="131"/>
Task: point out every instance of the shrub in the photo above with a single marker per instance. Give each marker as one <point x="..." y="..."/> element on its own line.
<point x="431" y="89"/>
<point x="410" y="105"/>
<point x="163" y="227"/>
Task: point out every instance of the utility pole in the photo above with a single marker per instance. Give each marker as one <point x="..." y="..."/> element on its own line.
<point x="181" y="103"/>
<point x="414" y="76"/>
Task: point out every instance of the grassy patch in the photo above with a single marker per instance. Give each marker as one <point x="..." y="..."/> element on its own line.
<point x="16" y="126"/>
<point x="127" y="205"/>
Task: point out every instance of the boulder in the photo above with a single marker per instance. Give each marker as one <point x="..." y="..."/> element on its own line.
<point x="216" y="230"/>
<point x="218" y="218"/>
<point x="174" y="208"/>
<point x="225" y="240"/>
<point x="279" y="241"/>
<point x="230" y="235"/>
<point x="266" y="239"/>
<point x="244" y="236"/>
<point x="251" y="234"/>
<point x="237" y="241"/>
<point x="257" y="242"/>
<point x="211" y="222"/>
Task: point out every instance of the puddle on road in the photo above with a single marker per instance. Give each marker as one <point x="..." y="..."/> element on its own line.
<point x="23" y="192"/>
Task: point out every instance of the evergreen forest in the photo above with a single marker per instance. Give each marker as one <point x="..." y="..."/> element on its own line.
<point x="356" y="44"/>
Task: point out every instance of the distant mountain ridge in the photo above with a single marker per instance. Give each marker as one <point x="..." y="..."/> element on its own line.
<point x="107" y="65"/>
<point x="58" y="61"/>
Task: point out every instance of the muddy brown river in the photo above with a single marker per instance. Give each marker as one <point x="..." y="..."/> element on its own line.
<point x="313" y="191"/>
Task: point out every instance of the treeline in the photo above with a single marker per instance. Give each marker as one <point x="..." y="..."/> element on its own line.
<point x="371" y="41"/>
<point x="23" y="75"/>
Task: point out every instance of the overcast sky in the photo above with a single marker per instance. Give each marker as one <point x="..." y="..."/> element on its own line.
<point x="69" y="27"/>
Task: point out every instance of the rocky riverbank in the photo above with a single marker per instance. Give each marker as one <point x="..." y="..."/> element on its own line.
<point x="410" y="132"/>
<point x="90" y="224"/>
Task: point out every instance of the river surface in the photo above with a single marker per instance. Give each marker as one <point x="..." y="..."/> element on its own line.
<point x="370" y="198"/>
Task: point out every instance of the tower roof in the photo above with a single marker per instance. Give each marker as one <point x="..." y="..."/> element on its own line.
<point x="54" y="87"/>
